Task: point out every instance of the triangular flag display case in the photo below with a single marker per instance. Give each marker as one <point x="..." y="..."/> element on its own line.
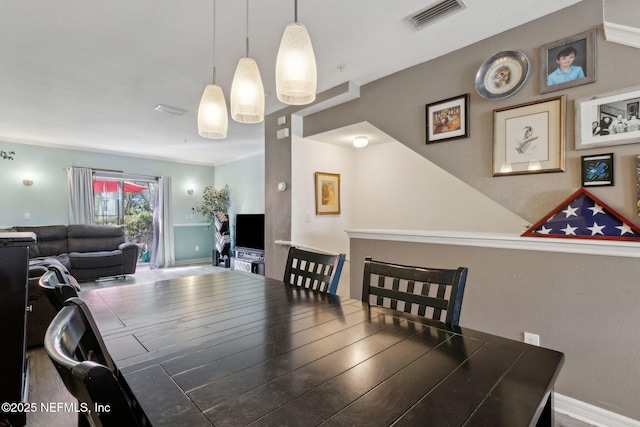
<point x="584" y="216"/>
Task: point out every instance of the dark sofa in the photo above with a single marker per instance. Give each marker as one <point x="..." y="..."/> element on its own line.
<point x="87" y="251"/>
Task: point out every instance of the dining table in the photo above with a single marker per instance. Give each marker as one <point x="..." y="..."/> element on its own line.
<point x="234" y="348"/>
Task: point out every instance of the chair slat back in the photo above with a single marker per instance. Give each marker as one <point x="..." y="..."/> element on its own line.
<point x="434" y="293"/>
<point x="313" y="270"/>
<point x="77" y="350"/>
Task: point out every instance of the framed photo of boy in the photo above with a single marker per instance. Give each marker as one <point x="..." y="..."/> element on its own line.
<point x="448" y="119"/>
<point x="568" y="62"/>
<point x="327" y="193"/>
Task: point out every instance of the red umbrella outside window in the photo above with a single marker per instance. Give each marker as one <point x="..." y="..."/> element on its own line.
<point x="102" y="186"/>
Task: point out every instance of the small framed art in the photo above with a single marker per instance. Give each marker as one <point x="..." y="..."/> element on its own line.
<point x="568" y="62"/>
<point x="327" y="193"/>
<point x="448" y="119"/>
<point x="529" y="138"/>
<point x="597" y="170"/>
<point x="608" y="119"/>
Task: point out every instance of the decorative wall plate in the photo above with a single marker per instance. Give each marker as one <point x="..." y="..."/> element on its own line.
<point x="502" y="75"/>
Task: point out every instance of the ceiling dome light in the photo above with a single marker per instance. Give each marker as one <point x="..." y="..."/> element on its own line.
<point x="360" y="141"/>
<point x="296" y="74"/>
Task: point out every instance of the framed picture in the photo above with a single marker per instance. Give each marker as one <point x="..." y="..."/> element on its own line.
<point x="448" y="119"/>
<point x="597" y="170"/>
<point x="608" y="119"/>
<point x="568" y="62"/>
<point x="529" y="138"/>
<point x="327" y="193"/>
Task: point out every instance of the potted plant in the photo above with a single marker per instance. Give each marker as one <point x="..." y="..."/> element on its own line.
<point x="213" y="203"/>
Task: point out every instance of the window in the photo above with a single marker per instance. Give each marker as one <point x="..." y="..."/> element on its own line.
<point x="128" y="202"/>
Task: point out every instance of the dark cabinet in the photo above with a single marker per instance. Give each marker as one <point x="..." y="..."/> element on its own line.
<point x="14" y="365"/>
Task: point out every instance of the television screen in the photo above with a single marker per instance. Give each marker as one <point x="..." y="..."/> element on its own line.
<point x="250" y="231"/>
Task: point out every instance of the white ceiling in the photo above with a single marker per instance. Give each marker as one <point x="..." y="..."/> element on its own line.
<point x="87" y="74"/>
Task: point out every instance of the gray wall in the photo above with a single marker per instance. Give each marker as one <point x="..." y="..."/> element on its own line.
<point x="277" y="204"/>
<point x="396" y="104"/>
<point x="585" y="306"/>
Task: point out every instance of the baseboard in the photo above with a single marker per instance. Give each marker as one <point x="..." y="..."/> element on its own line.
<point x="591" y="414"/>
<point x="194" y="261"/>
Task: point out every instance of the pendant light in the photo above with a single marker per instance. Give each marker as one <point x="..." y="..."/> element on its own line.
<point x="296" y="75"/>
<point x="247" y="91"/>
<point x="213" y="120"/>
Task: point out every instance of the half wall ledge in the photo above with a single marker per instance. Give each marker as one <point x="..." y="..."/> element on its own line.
<point x="615" y="248"/>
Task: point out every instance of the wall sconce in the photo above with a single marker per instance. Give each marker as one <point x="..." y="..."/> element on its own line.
<point x="360" y="141"/>
<point x="190" y="191"/>
<point x="27" y="178"/>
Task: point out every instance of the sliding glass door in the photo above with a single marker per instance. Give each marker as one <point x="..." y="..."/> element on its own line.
<point x="128" y="202"/>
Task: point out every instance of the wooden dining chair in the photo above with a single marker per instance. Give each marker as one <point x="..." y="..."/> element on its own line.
<point x="313" y="270"/>
<point x="80" y="356"/>
<point x="57" y="287"/>
<point x="434" y="293"/>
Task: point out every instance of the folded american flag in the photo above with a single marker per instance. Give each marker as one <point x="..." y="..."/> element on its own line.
<point x="583" y="216"/>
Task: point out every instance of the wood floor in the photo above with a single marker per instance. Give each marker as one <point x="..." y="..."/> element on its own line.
<point x="46" y="387"/>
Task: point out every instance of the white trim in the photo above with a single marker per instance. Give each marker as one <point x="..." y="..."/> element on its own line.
<point x="504" y="241"/>
<point x="622" y="34"/>
<point x="194" y="262"/>
<point x="590" y="414"/>
<point x="303" y="246"/>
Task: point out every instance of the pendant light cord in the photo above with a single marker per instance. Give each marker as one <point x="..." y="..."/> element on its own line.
<point x="247" y="46"/>
<point x="295" y="10"/>
<point x="214" y="41"/>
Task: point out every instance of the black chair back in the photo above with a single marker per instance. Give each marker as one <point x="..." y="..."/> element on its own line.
<point x="434" y="293"/>
<point x="77" y="350"/>
<point x="56" y="286"/>
<point x="313" y="270"/>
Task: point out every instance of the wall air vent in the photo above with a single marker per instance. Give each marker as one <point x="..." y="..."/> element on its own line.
<point x="435" y="13"/>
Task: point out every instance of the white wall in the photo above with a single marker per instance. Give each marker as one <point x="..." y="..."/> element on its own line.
<point x="399" y="189"/>
<point x="246" y="184"/>
<point x="324" y="232"/>
<point x="384" y="186"/>
<point x="321" y="231"/>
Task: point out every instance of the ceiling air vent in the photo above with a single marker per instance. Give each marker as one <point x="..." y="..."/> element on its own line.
<point x="435" y="13"/>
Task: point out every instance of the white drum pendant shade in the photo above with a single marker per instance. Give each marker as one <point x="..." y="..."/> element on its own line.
<point x="247" y="93"/>
<point x="213" y="120"/>
<point x="296" y="75"/>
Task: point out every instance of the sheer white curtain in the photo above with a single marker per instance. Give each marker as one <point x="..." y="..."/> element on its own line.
<point x="163" y="253"/>
<point x="81" y="207"/>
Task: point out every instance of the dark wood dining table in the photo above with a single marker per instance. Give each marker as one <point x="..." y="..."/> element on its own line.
<point x="235" y="348"/>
